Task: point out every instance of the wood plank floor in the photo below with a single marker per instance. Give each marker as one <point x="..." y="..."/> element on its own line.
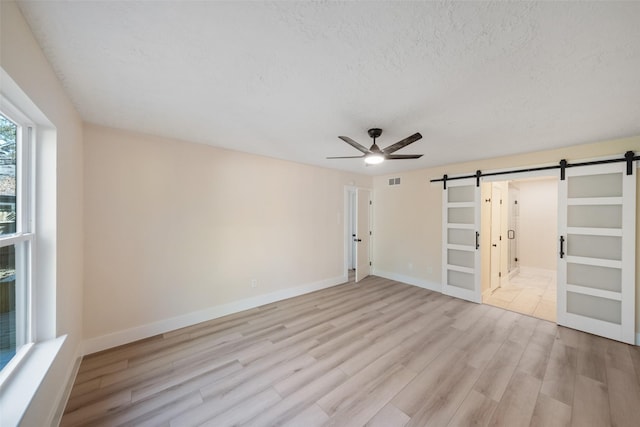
<point x="377" y="353"/>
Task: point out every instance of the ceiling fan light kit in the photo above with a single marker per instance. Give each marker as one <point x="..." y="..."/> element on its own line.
<point x="375" y="155"/>
<point x="373" y="159"/>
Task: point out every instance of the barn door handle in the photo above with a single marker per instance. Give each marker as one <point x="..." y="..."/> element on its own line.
<point x="561" y="246"/>
<point x="477" y="240"/>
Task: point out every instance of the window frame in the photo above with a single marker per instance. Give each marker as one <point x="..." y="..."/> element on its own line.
<point x="24" y="237"/>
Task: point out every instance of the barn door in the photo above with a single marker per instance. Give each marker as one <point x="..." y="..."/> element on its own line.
<point x="596" y="268"/>
<point x="460" y="234"/>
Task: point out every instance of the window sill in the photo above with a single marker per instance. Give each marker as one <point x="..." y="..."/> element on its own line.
<point x="20" y="387"/>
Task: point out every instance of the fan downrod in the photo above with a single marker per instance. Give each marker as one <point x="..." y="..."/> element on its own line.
<point x="375" y="132"/>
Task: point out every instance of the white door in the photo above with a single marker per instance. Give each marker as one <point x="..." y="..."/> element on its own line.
<point x="461" y="244"/>
<point x="496" y="238"/>
<point x="596" y="268"/>
<point x="363" y="265"/>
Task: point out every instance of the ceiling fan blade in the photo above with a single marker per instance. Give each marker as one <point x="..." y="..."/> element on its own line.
<point x="354" y="144"/>
<point x="398" y="145"/>
<point x="402" y="156"/>
<point x="346" y="157"/>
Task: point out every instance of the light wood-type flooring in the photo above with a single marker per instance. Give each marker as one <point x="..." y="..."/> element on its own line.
<point x="377" y="353"/>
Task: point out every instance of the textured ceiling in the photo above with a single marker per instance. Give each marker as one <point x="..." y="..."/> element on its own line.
<point x="284" y="79"/>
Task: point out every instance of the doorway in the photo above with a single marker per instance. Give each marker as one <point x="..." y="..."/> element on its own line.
<point x="357" y="233"/>
<point x="520" y="218"/>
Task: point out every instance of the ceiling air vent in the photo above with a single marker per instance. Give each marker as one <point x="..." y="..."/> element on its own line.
<point x="394" y="181"/>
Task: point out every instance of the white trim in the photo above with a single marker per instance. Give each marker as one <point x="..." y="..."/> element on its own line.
<point x="591" y="201"/>
<point x="592" y="231"/>
<point x="466" y="248"/>
<point x="638" y="339"/>
<point x="421" y="283"/>
<point x="55" y="417"/>
<point x="18" y="393"/>
<point x="346" y="219"/>
<point x="114" y="339"/>
<point x="577" y="289"/>
<point x="461" y="269"/>
<point x="599" y="262"/>
<point x="461" y="226"/>
<point x="460" y="205"/>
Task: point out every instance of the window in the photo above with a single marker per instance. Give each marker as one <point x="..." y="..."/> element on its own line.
<point x="16" y="236"/>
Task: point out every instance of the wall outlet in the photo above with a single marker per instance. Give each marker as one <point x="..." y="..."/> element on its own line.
<point x="254" y="283"/>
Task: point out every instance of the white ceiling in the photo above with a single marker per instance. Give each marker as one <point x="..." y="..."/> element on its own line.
<point x="284" y="79"/>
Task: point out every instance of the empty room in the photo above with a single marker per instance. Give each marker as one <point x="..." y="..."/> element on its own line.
<point x="313" y="213"/>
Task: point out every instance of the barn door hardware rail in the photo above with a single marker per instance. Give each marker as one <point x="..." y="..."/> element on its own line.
<point x="629" y="157"/>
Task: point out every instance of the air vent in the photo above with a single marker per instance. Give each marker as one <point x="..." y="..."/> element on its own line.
<point x="394" y="181"/>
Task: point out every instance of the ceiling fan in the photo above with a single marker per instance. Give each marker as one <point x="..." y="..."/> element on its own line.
<point x="375" y="155"/>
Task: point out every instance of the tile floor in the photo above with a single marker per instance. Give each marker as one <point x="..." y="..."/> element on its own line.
<point x="532" y="293"/>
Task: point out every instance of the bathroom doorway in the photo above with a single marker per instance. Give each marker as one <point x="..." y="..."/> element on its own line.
<point x="519" y="260"/>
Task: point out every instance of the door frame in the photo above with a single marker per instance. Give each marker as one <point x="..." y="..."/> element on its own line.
<point x="348" y="212"/>
<point x="496" y="213"/>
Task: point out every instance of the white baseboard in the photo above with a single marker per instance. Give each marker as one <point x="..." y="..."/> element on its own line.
<point x="638" y="339"/>
<point x="421" y="283"/>
<point x="93" y="345"/>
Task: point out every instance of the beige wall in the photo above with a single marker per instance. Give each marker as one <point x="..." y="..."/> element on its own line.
<point x="538" y="224"/>
<point x="408" y="218"/>
<point x="60" y="161"/>
<point x="174" y="228"/>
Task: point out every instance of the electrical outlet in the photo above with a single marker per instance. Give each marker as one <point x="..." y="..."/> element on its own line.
<point x="254" y="283"/>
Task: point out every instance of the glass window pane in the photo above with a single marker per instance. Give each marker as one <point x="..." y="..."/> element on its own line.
<point x="594" y="307"/>
<point x="596" y="216"/>
<point x="461" y="194"/>
<point x="460" y="258"/>
<point x="602" y="247"/>
<point x="8" y="137"/>
<point x="8" y="336"/>
<point x="460" y="216"/>
<point x="593" y="276"/>
<point x="603" y="185"/>
<point x="460" y="279"/>
<point x="459" y="236"/>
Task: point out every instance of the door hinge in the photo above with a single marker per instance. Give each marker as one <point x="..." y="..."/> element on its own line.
<point x="370" y="202"/>
<point x="369" y="263"/>
<point x="516" y="259"/>
<point x="500" y="238"/>
<point x="500" y="201"/>
<point x="370" y="233"/>
<point x="500" y="274"/>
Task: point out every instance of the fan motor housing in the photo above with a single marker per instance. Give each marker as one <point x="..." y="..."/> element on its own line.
<point x="375" y="132"/>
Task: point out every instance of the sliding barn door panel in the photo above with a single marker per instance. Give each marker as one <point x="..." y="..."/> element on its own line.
<point x="460" y="254"/>
<point x="596" y="270"/>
